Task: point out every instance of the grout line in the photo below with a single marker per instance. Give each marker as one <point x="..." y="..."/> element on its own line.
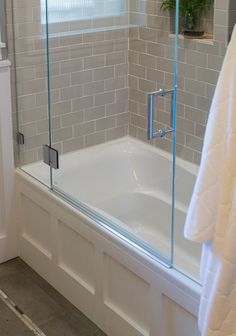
<point x="20" y="314"/>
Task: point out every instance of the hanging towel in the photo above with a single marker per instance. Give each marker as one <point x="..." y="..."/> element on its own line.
<point x="211" y="218"/>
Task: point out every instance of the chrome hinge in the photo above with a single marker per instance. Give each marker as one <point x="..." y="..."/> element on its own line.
<point x="20" y="138"/>
<point x="161" y="133"/>
<point x="51" y="156"/>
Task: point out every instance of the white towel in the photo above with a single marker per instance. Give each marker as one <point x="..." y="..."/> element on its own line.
<point x="211" y="217"/>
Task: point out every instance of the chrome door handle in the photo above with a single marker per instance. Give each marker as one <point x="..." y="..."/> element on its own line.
<point x="151" y="105"/>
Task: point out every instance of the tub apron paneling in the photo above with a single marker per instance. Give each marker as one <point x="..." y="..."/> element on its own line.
<point x="123" y="292"/>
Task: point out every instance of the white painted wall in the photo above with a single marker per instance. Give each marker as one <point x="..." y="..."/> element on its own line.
<point x="8" y="246"/>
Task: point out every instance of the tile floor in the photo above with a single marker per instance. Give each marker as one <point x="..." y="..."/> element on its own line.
<point x="50" y="311"/>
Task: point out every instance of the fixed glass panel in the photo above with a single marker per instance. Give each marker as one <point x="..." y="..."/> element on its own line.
<point x="28" y="53"/>
<point x="200" y="60"/>
<point x="103" y="69"/>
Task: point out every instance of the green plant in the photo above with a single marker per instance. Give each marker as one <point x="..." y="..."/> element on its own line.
<point x="190" y="10"/>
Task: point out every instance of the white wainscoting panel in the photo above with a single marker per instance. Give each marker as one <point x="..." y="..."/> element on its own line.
<point x="77" y="256"/>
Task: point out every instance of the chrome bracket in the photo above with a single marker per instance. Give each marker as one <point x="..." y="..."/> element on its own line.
<point x="20" y="138"/>
<point x="51" y="156"/>
<point x="160" y="133"/>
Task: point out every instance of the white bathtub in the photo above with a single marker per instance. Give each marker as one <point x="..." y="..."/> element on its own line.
<point x="129" y="183"/>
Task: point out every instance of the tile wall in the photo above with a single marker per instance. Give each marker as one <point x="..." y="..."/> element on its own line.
<point x="232" y="15"/>
<point x="151" y="68"/>
<point x="88" y="80"/>
<point x="100" y="77"/>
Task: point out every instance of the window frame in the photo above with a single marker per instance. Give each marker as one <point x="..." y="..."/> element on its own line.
<point x="58" y="23"/>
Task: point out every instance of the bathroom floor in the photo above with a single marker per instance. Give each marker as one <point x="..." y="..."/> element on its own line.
<point x="46" y="308"/>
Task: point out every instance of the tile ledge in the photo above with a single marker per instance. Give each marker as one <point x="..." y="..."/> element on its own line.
<point x="208" y="41"/>
<point x="87" y="31"/>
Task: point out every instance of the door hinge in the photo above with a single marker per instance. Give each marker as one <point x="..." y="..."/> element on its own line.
<point x="51" y="156"/>
<point x="20" y="138"/>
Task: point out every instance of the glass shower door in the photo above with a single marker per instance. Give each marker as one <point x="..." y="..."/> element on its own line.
<point x="197" y="77"/>
<point x="27" y="49"/>
<point x="108" y="62"/>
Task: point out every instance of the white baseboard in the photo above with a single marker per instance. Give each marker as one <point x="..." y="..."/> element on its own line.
<point x="7" y="251"/>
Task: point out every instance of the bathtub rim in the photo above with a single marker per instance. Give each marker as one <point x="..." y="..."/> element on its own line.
<point x="188" y="285"/>
<point x="190" y="167"/>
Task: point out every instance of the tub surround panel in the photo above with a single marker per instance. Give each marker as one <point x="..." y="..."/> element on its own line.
<point x="8" y="242"/>
<point x="120" y="272"/>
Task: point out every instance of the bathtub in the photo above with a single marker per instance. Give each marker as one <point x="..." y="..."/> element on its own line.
<point x="114" y="280"/>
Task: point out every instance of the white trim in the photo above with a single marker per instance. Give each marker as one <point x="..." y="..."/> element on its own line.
<point x="2" y="45"/>
<point x="8" y="248"/>
<point x="5" y="64"/>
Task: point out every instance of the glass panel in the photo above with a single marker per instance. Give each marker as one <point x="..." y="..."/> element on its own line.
<point x="3" y="37"/>
<point x="200" y="60"/>
<point x="30" y="97"/>
<point x="102" y="68"/>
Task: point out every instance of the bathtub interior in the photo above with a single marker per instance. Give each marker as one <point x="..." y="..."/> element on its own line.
<point x="130" y="183"/>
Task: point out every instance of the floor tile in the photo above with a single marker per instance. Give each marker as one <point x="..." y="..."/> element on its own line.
<point x="11" y="325"/>
<point x="42" y="303"/>
<point x="13" y="266"/>
<point x="35" y="302"/>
